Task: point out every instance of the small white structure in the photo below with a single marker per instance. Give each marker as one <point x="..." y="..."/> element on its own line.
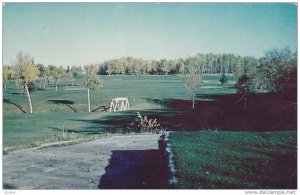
<point x="119" y="104"/>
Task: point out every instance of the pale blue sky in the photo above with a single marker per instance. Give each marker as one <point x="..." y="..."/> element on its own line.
<point x="82" y="33"/>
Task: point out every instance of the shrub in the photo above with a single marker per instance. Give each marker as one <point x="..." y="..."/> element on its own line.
<point x="144" y="125"/>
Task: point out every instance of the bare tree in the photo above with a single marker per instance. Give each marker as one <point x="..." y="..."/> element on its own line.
<point x="193" y="81"/>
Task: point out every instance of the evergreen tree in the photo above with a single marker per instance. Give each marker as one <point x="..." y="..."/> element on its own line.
<point x="223" y="79"/>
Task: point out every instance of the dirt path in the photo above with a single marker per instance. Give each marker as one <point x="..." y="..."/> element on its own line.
<point x="118" y="162"/>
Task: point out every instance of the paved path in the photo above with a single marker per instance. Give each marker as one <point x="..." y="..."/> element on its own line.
<point x="118" y="162"/>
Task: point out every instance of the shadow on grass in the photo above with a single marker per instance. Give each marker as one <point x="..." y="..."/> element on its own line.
<point x="281" y="169"/>
<point x="135" y="169"/>
<point x="9" y="102"/>
<point x="103" y="109"/>
<point x="265" y="112"/>
<point x="112" y="123"/>
<point x="41" y="89"/>
<point x="64" y="102"/>
<point x="83" y="131"/>
<point x="8" y="186"/>
<point x="59" y="85"/>
<point x="15" y="93"/>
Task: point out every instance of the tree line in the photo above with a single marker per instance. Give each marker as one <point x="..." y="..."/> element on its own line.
<point x="204" y="63"/>
<point x="201" y="63"/>
<point x="25" y="72"/>
<point x="45" y="74"/>
<point x="274" y="72"/>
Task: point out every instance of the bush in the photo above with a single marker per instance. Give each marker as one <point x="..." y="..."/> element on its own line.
<point x="144" y="125"/>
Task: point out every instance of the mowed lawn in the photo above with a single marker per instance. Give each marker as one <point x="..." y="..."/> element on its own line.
<point x="235" y="160"/>
<point x="210" y="160"/>
<point x="27" y="130"/>
<point x="24" y="129"/>
<point x="140" y="90"/>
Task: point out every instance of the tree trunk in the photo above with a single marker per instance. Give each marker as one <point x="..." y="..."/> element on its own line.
<point x="193" y="102"/>
<point x="5" y="86"/>
<point x="56" y="86"/>
<point x="29" y="99"/>
<point x="89" y="102"/>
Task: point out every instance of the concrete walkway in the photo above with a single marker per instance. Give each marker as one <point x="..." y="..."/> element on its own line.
<point x="118" y="162"/>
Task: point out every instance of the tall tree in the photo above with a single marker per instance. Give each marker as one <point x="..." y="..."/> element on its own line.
<point x="69" y="75"/>
<point x="165" y="66"/>
<point x="92" y="81"/>
<point x="278" y="70"/>
<point x="180" y="66"/>
<point x="243" y="84"/>
<point x="48" y="74"/>
<point x="6" y="74"/>
<point x="57" y="73"/>
<point x="26" y="73"/>
<point x="76" y="70"/>
<point x="42" y="71"/>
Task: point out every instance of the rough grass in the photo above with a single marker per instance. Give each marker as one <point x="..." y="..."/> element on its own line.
<point x="58" y="139"/>
<point x="236" y="160"/>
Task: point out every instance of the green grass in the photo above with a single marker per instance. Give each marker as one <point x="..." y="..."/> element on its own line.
<point x="139" y="89"/>
<point x="211" y="160"/>
<point x="24" y="129"/>
<point x="236" y="160"/>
